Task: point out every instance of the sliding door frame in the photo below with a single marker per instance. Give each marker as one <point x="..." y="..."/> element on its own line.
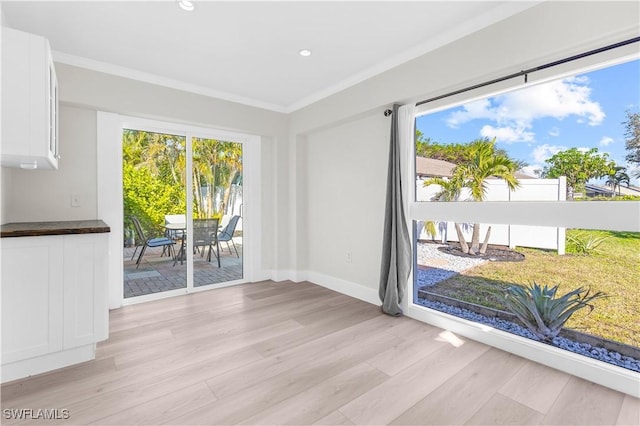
<point x="110" y="196"/>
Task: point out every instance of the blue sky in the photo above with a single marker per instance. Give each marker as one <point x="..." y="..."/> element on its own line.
<point x="533" y="123"/>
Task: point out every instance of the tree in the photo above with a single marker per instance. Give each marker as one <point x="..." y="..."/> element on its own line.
<point x="456" y="153"/>
<point x="450" y="190"/>
<point x="485" y="162"/>
<point x="578" y="167"/>
<point x="618" y="177"/>
<point x="154" y="175"/>
<point x="215" y="166"/>
<point x="632" y="140"/>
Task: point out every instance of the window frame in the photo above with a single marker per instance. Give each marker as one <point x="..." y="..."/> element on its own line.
<point x="589" y="215"/>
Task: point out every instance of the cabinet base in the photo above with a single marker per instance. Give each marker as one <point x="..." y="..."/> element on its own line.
<point x="42" y="364"/>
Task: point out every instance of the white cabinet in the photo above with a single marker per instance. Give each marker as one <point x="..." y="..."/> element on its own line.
<point x="29" y="102"/>
<point x="32" y="299"/>
<point x="54" y="301"/>
<point x="85" y="305"/>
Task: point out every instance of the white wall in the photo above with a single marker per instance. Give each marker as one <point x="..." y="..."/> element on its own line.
<point x="352" y="121"/>
<point x="5" y="187"/>
<point x="4" y="175"/>
<point x="343" y="193"/>
<point x="45" y="195"/>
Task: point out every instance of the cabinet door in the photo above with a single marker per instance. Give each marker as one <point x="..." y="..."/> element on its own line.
<point x="53" y="154"/>
<point x="29" y="102"/>
<point x="32" y="286"/>
<point x="85" y="289"/>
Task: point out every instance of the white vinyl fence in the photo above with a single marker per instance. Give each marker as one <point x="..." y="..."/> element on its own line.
<point x="505" y="234"/>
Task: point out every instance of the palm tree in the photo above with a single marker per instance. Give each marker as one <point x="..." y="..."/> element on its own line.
<point x="618" y="177"/>
<point x="486" y="162"/>
<point x="450" y="190"/>
<point x="215" y="166"/>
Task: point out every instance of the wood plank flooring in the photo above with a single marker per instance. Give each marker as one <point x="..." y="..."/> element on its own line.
<point x="300" y="354"/>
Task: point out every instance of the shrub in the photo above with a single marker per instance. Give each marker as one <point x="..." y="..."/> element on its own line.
<point x="542" y="312"/>
<point x="609" y="198"/>
<point x="584" y="243"/>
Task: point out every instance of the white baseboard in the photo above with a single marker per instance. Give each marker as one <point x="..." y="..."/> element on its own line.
<point x="279" y="275"/>
<point x="602" y="373"/>
<point x="349" y="288"/>
<point x="41" y="364"/>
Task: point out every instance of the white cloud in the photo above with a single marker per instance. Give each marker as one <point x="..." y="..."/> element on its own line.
<point x="507" y="134"/>
<point x="606" y="140"/>
<point x="471" y="111"/>
<point x="554" y="131"/>
<point x="518" y="110"/>
<point x="543" y="152"/>
<point x="531" y="170"/>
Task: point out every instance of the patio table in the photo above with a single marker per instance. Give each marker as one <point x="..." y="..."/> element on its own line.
<point x="179" y="227"/>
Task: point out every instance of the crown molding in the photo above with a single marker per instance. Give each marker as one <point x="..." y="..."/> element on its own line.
<point x="107" y="68"/>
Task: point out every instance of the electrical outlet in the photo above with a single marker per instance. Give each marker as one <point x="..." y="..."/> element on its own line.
<point x="75" y="200"/>
<point x="348" y="257"/>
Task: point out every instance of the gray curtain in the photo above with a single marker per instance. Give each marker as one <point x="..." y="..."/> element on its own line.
<point x="396" y="247"/>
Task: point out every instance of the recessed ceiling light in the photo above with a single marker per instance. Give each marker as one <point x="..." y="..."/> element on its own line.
<point x="304" y="52"/>
<point x="186" y="5"/>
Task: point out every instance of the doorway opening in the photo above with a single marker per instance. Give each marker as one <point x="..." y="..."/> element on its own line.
<point x="177" y="240"/>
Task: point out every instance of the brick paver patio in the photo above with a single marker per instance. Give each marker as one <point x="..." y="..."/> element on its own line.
<point x="157" y="273"/>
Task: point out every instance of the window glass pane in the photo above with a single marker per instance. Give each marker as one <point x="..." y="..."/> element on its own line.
<point x="475" y="287"/>
<point x="217" y="210"/>
<point x="154" y="204"/>
<point x="580" y="133"/>
<point x="575" y="140"/>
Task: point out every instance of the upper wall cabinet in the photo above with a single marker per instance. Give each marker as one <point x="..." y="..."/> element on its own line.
<point x="29" y="102"/>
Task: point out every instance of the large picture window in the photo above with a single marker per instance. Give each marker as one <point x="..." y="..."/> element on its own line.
<point x="534" y="186"/>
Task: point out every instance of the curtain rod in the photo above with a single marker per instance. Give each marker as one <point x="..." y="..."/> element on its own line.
<point x="527" y="71"/>
<point x="538" y="68"/>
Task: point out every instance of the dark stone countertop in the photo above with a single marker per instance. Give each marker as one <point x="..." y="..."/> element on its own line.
<point x="37" y="229"/>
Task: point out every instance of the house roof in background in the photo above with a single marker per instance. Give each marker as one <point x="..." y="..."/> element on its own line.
<point x="247" y="52"/>
<point x="431" y="167"/>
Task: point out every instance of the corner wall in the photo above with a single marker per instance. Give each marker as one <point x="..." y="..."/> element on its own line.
<point x="344" y="138"/>
<point x="45" y="195"/>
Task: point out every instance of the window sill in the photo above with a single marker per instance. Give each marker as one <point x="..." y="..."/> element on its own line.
<point x="599" y="372"/>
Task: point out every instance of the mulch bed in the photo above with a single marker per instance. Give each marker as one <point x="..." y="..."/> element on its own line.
<point x="493" y="253"/>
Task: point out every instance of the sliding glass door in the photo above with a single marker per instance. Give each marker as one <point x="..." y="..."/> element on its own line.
<point x="217" y="211"/>
<point x="154" y="205"/>
<point x="176" y="241"/>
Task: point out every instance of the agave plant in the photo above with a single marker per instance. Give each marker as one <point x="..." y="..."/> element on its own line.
<point x="542" y="312"/>
<point x="585" y="244"/>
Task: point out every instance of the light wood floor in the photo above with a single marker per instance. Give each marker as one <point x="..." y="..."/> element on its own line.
<point x="285" y="353"/>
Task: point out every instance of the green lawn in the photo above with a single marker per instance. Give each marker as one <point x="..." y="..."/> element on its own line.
<point x="615" y="271"/>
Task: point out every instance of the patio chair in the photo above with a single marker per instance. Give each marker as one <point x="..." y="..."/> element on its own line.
<point x="163" y="242"/>
<point x="226" y="234"/>
<point x="204" y="235"/>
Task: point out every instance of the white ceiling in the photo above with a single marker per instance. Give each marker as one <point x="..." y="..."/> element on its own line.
<point x="248" y="51"/>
